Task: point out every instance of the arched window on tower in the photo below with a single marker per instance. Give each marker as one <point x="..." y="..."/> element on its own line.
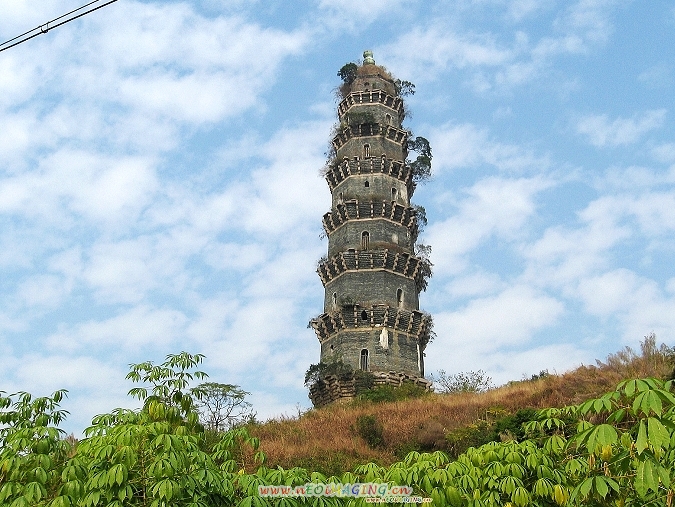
<point x="363" y="364"/>
<point x="387" y="118"/>
<point x="394" y="192"/>
<point x="366" y="184"/>
<point x="364" y="315"/>
<point x="365" y="240"/>
<point x="334" y="300"/>
<point x="399" y="297"/>
<point x="366" y="151"/>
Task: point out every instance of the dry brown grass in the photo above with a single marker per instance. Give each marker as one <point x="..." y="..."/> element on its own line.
<point x="326" y="440"/>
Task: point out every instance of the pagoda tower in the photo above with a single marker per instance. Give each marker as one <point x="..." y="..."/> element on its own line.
<point x="371" y="276"/>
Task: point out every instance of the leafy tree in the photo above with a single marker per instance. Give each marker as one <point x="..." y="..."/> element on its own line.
<point x="170" y="383"/>
<point x="149" y="457"/>
<point x="404" y="88"/>
<point x="319" y="371"/>
<point x="154" y="456"/>
<point x="348" y="73"/>
<point x="423" y="252"/>
<point x="222" y="406"/>
<point x="421" y="166"/>
<point x="420" y="217"/>
<point x="650" y="360"/>
<point x="32" y="450"/>
<point x="462" y="382"/>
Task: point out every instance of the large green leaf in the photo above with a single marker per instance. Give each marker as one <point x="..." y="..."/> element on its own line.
<point x="659" y="436"/>
<point x="646" y="478"/>
<point x="647" y="402"/>
<point x="642" y="441"/>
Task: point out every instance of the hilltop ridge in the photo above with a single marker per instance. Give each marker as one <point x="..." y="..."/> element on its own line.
<point x="330" y="439"/>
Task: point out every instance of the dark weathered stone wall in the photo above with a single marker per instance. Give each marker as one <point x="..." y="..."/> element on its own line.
<point x="378" y="146"/>
<point x="400" y="353"/>
<point x="373" y="77"/>
<point x="379" y="189"/>
<point x="382" y="233"/>
<point x="371" y="287"/>
<point x="373" y="112"/>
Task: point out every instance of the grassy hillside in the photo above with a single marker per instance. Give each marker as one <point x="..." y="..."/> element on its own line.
<point x="331" y="439"/>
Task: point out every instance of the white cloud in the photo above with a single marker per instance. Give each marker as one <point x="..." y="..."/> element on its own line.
<point x="491" y="61"/>
<point x="520" y="9"/>
<point x="457" y="146"/>
<point x="146" y="71"/>
<point x="487" y="327"/>
<point x="171" y="61"/>
<point x="563" y="256"/>
<point x="347" y="15"/>
<point x="234" y="256"/>
<point x="654" y="212"/>
<point x="601" y="131"/>
<point x="636" y="302"/>
<point x="589" y="18"/>
<point x="508" y="365"/>
<point x="136" y="328"/>
<point x="664" y="153"/>
<point x="465" y="146"/>
<point x="120" y="271"/>
<point x="429" y="51"/>
<point x="250" y="334"/>
<point x="492" y="207"/>
<point x="43" y="291"/>
<point x="13" y="77"/>
<point x="657" y="76"/>
<point x="480" y="283"/>
<point x="47" y="374"/>
<point x="554" y="358"/>
<point x="632" y="179"/>
<point x="20" y="16"/>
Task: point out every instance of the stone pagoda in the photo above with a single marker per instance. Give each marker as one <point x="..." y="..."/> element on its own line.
<point x="372" y="278"/>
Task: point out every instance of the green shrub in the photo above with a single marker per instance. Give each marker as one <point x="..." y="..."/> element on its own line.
<point x="378" y="394"/>
<point x="363" y="381"/>
<point x="333" y="463"/>
<point x="371" y="430"/>
<point x="511" y="426"/>
<point x="403" y="449"/>
<point x="318" y="372"/>
<point x="473" y="435"/>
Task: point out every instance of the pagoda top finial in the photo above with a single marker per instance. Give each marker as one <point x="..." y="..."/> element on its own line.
<point x="368" y="57"/>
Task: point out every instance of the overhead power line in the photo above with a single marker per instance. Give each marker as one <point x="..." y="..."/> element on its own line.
<point x="61" y="20"/>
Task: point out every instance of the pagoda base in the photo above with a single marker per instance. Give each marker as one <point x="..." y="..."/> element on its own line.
<point x="332" y="388"/>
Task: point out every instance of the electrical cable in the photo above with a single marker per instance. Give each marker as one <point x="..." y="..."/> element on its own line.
<point x="49" y="25"/>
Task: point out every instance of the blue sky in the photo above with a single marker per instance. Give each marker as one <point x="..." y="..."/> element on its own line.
<point x="160" y="185"/>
